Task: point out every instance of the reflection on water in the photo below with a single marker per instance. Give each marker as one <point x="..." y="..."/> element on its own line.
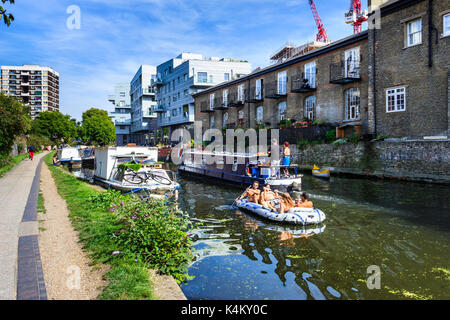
<point x="401" y="227"/>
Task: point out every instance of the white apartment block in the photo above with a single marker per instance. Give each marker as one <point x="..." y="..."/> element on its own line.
<point x="142" y="94"/>
<point x="185" y="75"/>
<point x="121" y="116"/>
<point x="37" y="87"/>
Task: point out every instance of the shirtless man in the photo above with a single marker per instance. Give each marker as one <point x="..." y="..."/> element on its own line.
<point x="304" y="202"/>
<point x="252" y="193"/>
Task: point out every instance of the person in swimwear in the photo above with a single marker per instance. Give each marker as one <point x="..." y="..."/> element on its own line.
<point x="266" y="198"/>
<point x="286" y="203"/>
<point x="304" y="202"/>
<point x="253" y="194"/>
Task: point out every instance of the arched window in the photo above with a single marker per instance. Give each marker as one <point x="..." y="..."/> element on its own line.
<point x="225" y="119"/>
<point x="282" y="111"/>
<point x="310" y="108"/>
<point x="259" y="114"/>
<point x="352" y="104"/>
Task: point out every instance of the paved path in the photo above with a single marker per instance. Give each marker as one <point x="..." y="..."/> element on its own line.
<point x="17" y="220"/>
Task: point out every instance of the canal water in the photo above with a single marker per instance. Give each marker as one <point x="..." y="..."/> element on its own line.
<point x="401" y="228"/>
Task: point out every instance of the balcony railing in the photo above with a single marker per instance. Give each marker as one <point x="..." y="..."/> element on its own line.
<point x="345" y="72"/>
<point x="256" y="95"/>
<point x="206" y="107"/>
<point x="276" y="89"/>
<point x="235" y="100"/>
<point x="159" y="108"/>
<point x="202" y="81"/>
<point x="303" y="83"/>
<point x="149" y="91"/>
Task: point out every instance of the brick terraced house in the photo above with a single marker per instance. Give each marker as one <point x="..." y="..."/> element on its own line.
<point x="391" y="81"/>
<point x="327" y="84"/>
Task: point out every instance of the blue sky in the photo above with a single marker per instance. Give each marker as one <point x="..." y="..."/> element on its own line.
<point x="117" y="36"/>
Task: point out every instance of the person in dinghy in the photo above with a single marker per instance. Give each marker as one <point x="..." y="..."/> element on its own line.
<point x="253" y="194"/>
<point x="304" y="202"/>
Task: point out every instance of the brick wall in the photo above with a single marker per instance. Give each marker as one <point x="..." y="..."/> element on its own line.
<point x="411" y="160"/>
<point x="426" y="111"/>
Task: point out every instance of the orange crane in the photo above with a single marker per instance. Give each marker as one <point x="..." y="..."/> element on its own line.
<point x="356" y="16"/>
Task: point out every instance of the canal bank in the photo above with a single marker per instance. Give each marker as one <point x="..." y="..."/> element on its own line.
<point x="409" y="160"/>
<point x="97" y="224"/>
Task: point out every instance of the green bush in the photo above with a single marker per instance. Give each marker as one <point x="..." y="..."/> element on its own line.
<point x="302" y="143"/>
<point x="331" y="135"/>
<point x="151" y="231"/>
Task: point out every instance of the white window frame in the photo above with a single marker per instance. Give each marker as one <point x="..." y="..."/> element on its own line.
<point x="225" y="119"/>
<point x="282" y="82"/>
<point x="259" y="114"/>
<point x="211" y="101"/>
<point x="225" y="98"/>
<point x="310" y="73"/>
<point x="352" y="62"/>
<point x="352" y="103"/>
<point x="446" y="25"/>
<point x="310" y="108"/>
<point x="397" y="96"/>
<point x="211" y="121"/>
<point x="258" y="89"/>
<point x="410" y="33"/>
<point x="241" y="93"/>
<point x="282" y="115"/>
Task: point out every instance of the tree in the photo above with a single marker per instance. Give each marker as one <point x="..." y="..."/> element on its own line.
<point x="97" y="127"/>
<point x="7" y="17"/>
<point x="14" y="120"/>
<point x="55" y="126"/>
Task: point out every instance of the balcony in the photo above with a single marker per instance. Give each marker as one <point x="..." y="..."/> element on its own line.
<point x="303" y="83"/>
<point x="202" y="81"/>
<point x="276" y="89"/>
<point x="25" y="94"/>
<point x="235" y="100"/>
<point x="345" y="72"/>
<point x="149" y="91"/>
<point x="206" y="107"/>
<point x="159" y="108"/>
<point x="159" y="82"/>
<point x="256" y="95"/>
<point x="219" y="104"/>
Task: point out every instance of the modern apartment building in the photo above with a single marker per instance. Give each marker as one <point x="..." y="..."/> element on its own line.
<point x="185" y="75"/>
<point x="37" y="87"/>
<point x="122" y="112"/>
<point x="143" y="101"/>
<point x="326" y="84"/>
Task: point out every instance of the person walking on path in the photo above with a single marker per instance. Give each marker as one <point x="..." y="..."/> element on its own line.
<point x="31" y="152"/>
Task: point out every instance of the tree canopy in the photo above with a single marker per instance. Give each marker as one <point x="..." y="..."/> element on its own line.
<point x="97" y="127"/>
<point x="15" y="120"/>
<point x="55" y="126"/>
<point x="7" y="17"/>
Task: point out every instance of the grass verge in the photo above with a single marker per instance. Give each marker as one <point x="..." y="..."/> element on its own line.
<point x="128" y="279"/>
<point x="10" y="162"/>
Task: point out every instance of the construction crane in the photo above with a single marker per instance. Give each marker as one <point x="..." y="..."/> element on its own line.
<point x="356" y="16"/>
<point x="322" y="34"/>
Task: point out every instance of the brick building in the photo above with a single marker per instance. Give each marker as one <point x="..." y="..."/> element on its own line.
<point x="409" y="67"/>
<point x="328" y="84"/>
<point x="392" y="80"/>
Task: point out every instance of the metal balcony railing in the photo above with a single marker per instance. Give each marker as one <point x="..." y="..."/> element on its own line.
<point x="345" y="71"/>
<point x="276" y="89"/>
<point x="256" y="94"/>
<point x="206" y="107"/>
<point x="303" y="82"/>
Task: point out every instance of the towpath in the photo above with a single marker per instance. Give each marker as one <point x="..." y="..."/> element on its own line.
<point x="21" y="274"/>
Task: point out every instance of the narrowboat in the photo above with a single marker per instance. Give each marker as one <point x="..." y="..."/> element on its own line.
<point x="131" y="169"/>
<point x="242" y="169"/>
<point x="69" y="155"/>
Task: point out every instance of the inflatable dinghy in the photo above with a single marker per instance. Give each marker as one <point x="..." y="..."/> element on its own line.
<point x="302" y="216"/>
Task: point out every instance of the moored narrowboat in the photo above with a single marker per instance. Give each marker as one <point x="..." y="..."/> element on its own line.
<point x="239" y="169"/>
